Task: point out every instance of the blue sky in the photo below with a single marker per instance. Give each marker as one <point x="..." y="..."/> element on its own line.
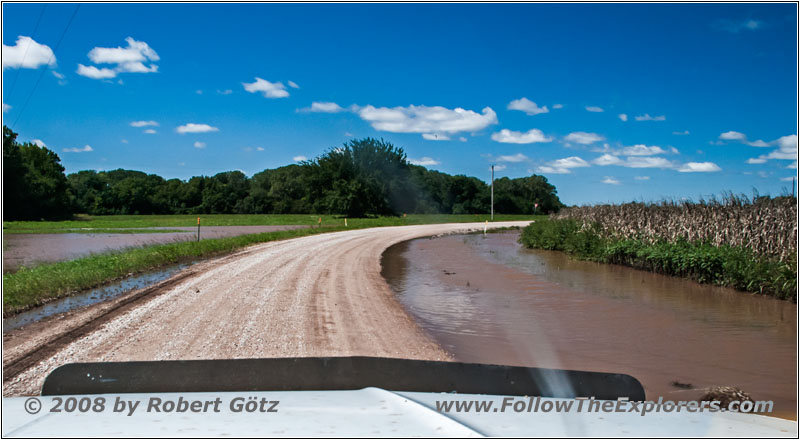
<point x="610" y="102"/>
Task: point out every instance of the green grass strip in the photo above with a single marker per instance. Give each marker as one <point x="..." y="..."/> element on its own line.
<point x="731" y="266"/>
<point x="108" y="223"/>
<point x="28" y="287"/>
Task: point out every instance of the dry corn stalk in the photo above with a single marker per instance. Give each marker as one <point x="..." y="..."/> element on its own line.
<point x="766" y="225"/>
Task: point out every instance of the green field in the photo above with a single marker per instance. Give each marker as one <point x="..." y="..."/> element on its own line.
<point x="29" y="287"/>
<point x="136" y="223"/>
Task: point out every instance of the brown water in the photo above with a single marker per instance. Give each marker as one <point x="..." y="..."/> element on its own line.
<point x="31" y="249"/>
<point x="486" y="299"/>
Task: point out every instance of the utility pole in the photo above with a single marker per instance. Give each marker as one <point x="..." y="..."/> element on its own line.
<point x="492" y="186"/>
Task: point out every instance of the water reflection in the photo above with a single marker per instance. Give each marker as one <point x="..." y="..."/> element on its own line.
<point x="486" y="299"/>
<point x="86" y="298"/>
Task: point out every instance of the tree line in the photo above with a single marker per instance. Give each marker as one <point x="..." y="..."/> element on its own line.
<point x="364" y="177"/>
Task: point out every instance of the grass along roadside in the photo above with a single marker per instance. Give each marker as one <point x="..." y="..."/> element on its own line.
<point x="731" y="266"/>
<point x="138" y="223"/>
<point x="29" y="287"/>
<point x="98" y="231"/>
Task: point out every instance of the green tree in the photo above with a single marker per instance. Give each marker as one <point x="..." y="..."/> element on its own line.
<point x="35" y="186"/>
<point x="364" y="177"/>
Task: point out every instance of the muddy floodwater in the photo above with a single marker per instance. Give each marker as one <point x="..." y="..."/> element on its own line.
<point x="486" y="299"/>
<point x="31" y="249"/>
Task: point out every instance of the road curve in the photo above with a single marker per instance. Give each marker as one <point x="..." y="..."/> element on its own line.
<point x="320" y="295"/>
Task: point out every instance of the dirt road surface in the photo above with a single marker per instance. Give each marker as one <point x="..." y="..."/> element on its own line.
<point x="320" y="295"/>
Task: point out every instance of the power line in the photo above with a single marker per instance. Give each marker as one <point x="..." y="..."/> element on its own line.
<point x="25" y="55"/>
<point x="35" y="86"/>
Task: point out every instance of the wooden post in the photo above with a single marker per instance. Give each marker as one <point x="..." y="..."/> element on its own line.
<point x="198" y="228"/>
<point x="492" y="186"/>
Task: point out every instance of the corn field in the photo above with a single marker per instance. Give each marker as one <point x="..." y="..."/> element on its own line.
<point x="768" y="226"/>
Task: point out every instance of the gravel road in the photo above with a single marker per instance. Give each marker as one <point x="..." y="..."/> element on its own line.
<point x="320" y="295"/>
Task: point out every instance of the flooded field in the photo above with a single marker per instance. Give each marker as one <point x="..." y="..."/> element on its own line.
<point x="31" y="249"/>
<point x="486" y="299"/>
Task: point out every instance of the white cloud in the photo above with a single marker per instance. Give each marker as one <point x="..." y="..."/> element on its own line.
<point x="633" y="161"/>
<point x="462" y="139"/>
<point x="741" y="137"/>
<point x="299" y="158"/>
<point x="57" y="75"/>
<point x="733" y="136"/>
<point x="623" y="117"/>
<point x="641" y="177"/>
<point x="95" y="73"/>
<point x="584" y="138"/>
<point x="149" y="131"/>
<point x="435" y="137"/>
<point x="6" y="107"/>
<point x="325" y="107"/>
<point x="756" y="160"/>
<point x="224" y="92"/>
<point x="681" y="133"/>
<point x="519" y="157"/>
<point x="642" y="150"/>
<point x="563" y="166"/>
<point x="758" y="143"/>
<point x="130" y="59"/>
<point x="788" y="179"/>
<point x="424" y="119"/>
<point x="259" y="148"/>
<point x="199" y="144"/>
<point x="526" y="105"/>
<point x="787" y="150"/>
<point x="647" y="117"/>
<point x="195" y="128"/>
<point x="499" y="167"/>
<point x="557" y="106"/>
<point x="136" y="52"/>
<point x="268" y="89"/>
<point x="594" y="109"/>
<point x="699" y="167"/>
<point x="39" y="143"/>
<point x="788" y="143"/>
<point x="27" y="54"/>
<point x="348" y="134"/>
<point x="424" y="161"/>
<point x="144" y="124"/>
<point x="124" y="141"/>
<point x="199" y="92"/>
<point x="609" y="180"/>
<point x="736" y="26"/>
<point x="792" y="165"/>
<point x="515" y="137"/>
<point x="85" y="149"/>
<point x="647" y="162"/>
<point x="293" y="85"/>
<point x="607" y="159"/>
